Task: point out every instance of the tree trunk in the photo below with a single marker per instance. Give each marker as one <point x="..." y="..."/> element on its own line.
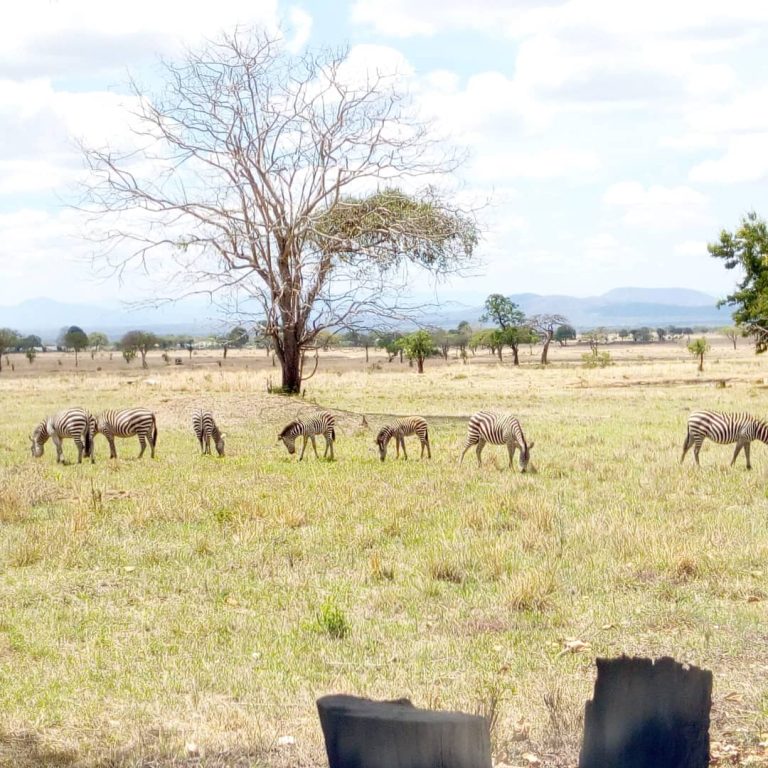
<point x="515" y="359"/>
<point x="225" y="351"/>
<point x="420" y="363"/>
<point x="143" y="358"/>
<point x="499" y="352"/>
<point x="289" y="353"/>
<point x="734" y="342"/>
<point x="75" y="357"/>
<point x="701" y="363"/>
<point x="545" y="348"/>
<point x="366" y="354"/>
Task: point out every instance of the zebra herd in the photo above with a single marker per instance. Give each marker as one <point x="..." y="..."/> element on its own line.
<point x="484" y="427"/>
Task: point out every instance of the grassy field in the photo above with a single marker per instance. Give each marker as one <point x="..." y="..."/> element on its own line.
<point x="189" y="610"/>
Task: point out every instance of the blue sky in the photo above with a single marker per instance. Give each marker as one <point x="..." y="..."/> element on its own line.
<point x="612" y="140"/>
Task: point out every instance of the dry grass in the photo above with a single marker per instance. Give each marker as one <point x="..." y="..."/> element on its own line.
<point x="189" y="610"/>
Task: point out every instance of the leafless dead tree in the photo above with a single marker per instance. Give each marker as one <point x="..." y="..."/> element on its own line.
<point x="279" y="178"/>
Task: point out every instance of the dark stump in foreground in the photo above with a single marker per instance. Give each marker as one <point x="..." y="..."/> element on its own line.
<point x="360" y="733"/>
<point x="647" y="715"/>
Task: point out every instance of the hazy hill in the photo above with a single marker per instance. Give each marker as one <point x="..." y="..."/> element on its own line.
<point x="620" y="307"/>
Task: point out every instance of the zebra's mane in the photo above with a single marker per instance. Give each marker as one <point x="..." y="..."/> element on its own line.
<point x="289" y="427"/>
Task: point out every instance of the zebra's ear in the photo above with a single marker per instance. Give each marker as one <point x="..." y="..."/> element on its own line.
<point x="530" y="445"/>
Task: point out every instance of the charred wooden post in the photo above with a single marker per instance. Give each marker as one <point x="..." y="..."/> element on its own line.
<point x="647" y="714"/>
<point x="360" y="733"/>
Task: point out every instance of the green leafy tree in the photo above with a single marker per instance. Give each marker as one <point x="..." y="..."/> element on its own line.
<point x="30" y="353"/>
<point x="509" y="319"/>
<point x="266" y="153"/>
<point x="747" y="248"/>
<point x="237" y="338"/>
<point x="30" y="342"/>
<point x="129" y="354"/>
<point x="75" y="338"/>
<point x="141" y="342"/>
<point x="418" y="346"/>
<point x="564" y="334"/>
<point x="698" y="348"/>
<point x="8" y="340"/>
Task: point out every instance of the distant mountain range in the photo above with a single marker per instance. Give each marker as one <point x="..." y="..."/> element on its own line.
<point x="618" y="308"/>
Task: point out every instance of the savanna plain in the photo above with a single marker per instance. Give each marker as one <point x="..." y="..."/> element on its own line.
<point x="188" y="610"/>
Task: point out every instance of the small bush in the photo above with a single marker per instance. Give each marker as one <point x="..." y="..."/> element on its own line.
<point x="331" y="620"/>
<point x="596" y="359"/>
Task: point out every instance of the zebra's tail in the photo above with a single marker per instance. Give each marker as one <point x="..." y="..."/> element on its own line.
<point x="87" y="442"/>
<point x="154" y="431"/>
<point x="333" y="434"/>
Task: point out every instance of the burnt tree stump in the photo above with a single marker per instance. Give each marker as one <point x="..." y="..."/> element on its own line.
<point x="647" y="715"/>
<point x="361" y="733"/>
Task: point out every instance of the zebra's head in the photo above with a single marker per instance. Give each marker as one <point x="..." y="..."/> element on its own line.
<point x="37" y="441"/>
<point x="220" y="445"/>
<point x="382" y="441"/>
<point x="288" y="436"/>
<point x="525" y="456"/>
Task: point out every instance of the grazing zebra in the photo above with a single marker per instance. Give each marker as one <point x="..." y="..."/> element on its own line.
<point x="74" y="423"/>
<point x="205" y="429"/>
<point x="322" y="424"/>
<point x="127" y="422"/>
<point x="400" y="429"/>
<point x="497" y="429"/>
<point x="739" y="428"/>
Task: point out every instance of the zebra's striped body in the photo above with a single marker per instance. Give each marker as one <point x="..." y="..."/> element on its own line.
<point x="126" y="423"/>
<point x="400" y="429"/>
<point x="322" y="424"/>
<point x="497" y="429"/>
<point x="739" y="428"/>
<point x="205" y="429"/>
<point x="75" y="423"/>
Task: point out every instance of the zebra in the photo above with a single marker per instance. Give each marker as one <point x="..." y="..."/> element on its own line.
<point x="73" y="422"/>
<point x="127" y="422"/>
<point x="739" y="428"/>
<point x="400" y="429"/>
<point x="205" y="429"/>
<point x="497" y="429"/>
<point x="323" y="423"/>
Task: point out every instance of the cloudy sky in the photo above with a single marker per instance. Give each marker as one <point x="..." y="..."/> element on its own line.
<point x="612" y="139"/>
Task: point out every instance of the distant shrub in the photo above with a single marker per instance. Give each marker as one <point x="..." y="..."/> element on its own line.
<point x="596" y="359"/>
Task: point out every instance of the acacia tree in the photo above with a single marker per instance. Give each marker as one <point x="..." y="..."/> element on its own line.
<point x="747" y="248"/>
<point x="504" y="313"/>
<point x="732" y="333"/>
<point x="141" y="342"/>
<point x="97" y="341"/>
<point x="546" y="325"/>
<point x="277" y="175"/>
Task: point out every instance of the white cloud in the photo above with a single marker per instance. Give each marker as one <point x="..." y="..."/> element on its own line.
<point x="657" y="207"/>
<point x="745" y="159"/>
<point x="300" y="28"/>
<point x="554" y="162"/>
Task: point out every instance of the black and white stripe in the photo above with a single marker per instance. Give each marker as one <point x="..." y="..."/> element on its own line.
<point x="74" y="423"/>
<point x="739" y="428"/>
<point x="126" y="423"/>
<point x="322" y="424"/>
<point x="205" y="429"/>
<point x="497" y="429"/>
<point x="400" y="429"/>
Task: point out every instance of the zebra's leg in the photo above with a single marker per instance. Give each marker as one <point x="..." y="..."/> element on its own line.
<point x="426" y="443"/>
<point x="479" y="450"/>
<point x="467" y="446"/>
<point x="80" y="449"/>
<point x="401" y="438"/>
<point x="329" y="441"/>
<point x="511" y="448"/>
<point x="747" y="446"/>
<point x="696" y="448"/>
<point x="112" y="451"/>
<point x="143" y="444"/>
<point x="152" y="442"/>
<point x="304" y="439"/>
<point x="59" y="448"/>
<point x="687" y="443"/>
<point x="314" y="446"/>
